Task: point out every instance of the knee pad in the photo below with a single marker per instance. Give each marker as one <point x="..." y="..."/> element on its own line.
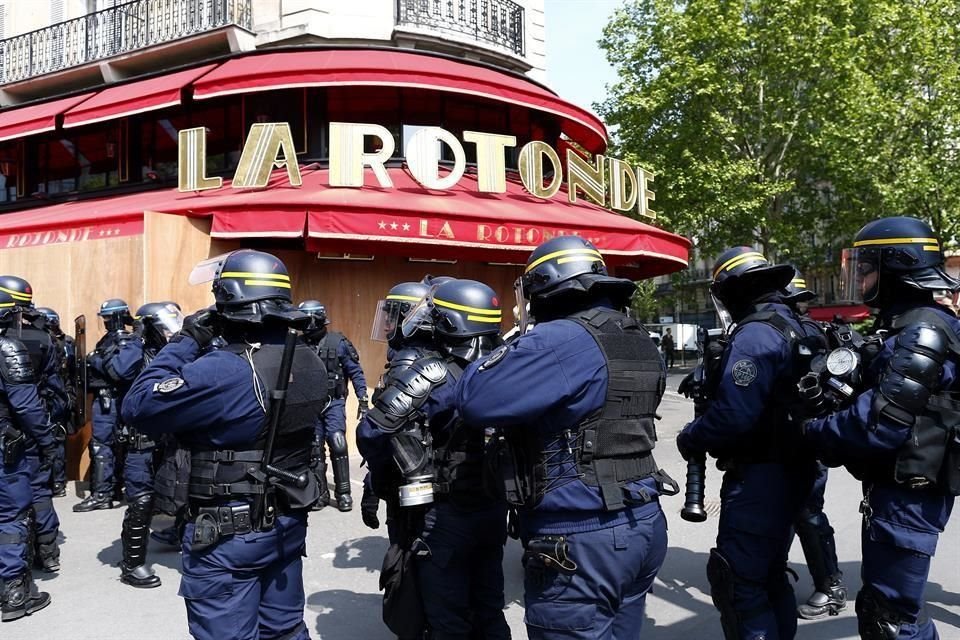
<point x="721" y="577"/>
<point x="876" y="617"/>
<point x="338" y="444"/>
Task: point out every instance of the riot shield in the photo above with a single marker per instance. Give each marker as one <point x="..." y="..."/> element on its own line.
<point x="80" y="371"/>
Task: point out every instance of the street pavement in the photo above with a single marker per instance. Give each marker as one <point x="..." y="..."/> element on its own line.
<point x="344" y="557"/>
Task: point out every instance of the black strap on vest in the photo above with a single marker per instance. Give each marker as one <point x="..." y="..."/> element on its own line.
<point x="336" y="377"/>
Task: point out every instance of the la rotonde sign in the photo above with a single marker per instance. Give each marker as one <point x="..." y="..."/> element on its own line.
<point x="608" y="182"/>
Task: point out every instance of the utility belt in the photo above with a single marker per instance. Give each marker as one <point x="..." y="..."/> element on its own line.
<point x="213" y="523"/>
<point x="105" y="397"/>
<point x="13" y="445"/>
<point x="135" y="440"/>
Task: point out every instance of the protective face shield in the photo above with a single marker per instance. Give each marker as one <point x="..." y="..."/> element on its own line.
<point x="12" y="319"/>
<point x="168" y="320"/>
<point x="207" y="270"/>
<point x="394" y="308"/>
<point x="859" y="275"/>
<point x="420" y="318"/>
<point x="726" y="319"/>
<point x="522" y="307"/>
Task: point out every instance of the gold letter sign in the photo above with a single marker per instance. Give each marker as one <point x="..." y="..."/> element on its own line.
<point x="347" y="158"/>
<point x="192" y="171"/>
<point x="265" y="141"/>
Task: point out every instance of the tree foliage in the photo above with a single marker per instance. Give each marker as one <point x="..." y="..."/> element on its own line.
<point x="789" y="123"/>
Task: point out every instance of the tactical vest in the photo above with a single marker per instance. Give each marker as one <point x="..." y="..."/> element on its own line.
<point x="774" y="438"/>
<point x="220" y="475"/>
<point x="930" y="458"/>
<point x="612" y="447"/>
<point x="336" y="377"/>
<point x="39" y="345"/>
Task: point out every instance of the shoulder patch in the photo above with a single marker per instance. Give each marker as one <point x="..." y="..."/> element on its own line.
<point x="494" y="358"/>
<point x="169" y="385"/>
<point x="744" y="372"/>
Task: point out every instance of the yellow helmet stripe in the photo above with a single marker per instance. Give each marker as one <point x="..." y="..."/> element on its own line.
<point x="267" y="283"/>
<point x="18" y="295"/>
<point x="7" y="304"/>
<point x="461" y="307"/>
<point x="482" y="319"/>
<point x="579" y="259"/>
<point x="799" y="282"/>
<point x="885" y="241"/>
<point x="736" y="261"/>
<point x="397" y="296"/>
<point x="261" y="276"/>
<point x="584" y="251"/>
<point x="931" y="247"/>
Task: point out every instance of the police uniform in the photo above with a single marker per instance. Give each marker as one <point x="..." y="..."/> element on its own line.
<point x="748" y="429"/>
<point x="45" y="363"/>
<point x="245" y="537"/>
<point x="457" y="537"/>
<point x="900" y="436"/>
<point x="24" y="427"/>
<point x="65" y="350"/>
<point x="574" y="401"/>
<point x="341" y="360"/>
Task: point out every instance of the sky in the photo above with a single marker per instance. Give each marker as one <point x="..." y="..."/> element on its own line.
<point x="576" y="67"/>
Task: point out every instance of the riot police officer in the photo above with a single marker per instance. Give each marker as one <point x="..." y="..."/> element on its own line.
<point x="250" y="490"/>
<point x="26" y="325"/>
<point x="24" y="426"/>
<point x="66" y="350"/>
<point x="342" y="361"/>
<point x="896" y="436"/>
<point x="458" y="537"/>
<point x="812" y="525"/>
<point x="155" y="323"/>
<point x="575" y="400"/>
<point x="747" y="428"/>
<point x="112" y="366"/>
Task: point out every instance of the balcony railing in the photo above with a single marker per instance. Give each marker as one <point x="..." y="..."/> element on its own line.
<point x="496" y="22"/>
<point x="120" y="29"/>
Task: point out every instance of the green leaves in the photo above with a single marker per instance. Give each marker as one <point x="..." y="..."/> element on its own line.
<point x="789" y="123"/>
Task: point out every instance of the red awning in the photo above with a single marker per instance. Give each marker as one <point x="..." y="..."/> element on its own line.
<point x="133" y="97"/>
<point x="848" y="312"/>
<point x="258" y="224"/>
<point x="366" y="67"/>
<point x="16" y="122"/>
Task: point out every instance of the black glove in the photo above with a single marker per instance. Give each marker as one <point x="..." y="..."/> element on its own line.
<point x="363" y="405"/>
<point x="686" y="385"/>
<point x="200" y="327"/>
<point x="687" y="452"/>
<point x="369" y="504"/>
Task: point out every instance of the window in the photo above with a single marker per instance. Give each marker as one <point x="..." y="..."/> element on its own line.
<point x="11" y="154"/>
<point x="81" y="161"/>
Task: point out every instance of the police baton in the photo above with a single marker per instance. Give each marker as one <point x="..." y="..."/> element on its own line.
<point x="693" y="509"/>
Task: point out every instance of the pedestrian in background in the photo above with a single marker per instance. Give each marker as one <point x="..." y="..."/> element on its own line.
<point x="667" y="345"/>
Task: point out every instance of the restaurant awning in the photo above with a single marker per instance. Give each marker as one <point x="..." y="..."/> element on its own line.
<point x="133" y="97"/>
<point x="372" y="67"/>
<point x="847" y="312"/>
<point x="16" y="122"/>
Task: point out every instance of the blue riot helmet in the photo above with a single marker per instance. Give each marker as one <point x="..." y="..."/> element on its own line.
<point x="465" y="316"/>
<point x="159" y="320"/>
<point x="796" y="291"/>
<point x="564" y="272"/>
<point x="432" y="281"/>
<point x="250" y="287"/>
<point x="114" y="315"/>
<point x="53" y="318"/>
<point x="741" y="276"/>
<point x="894" y="260"/>
<point x="394" y="308"/>
<point x="317" y="312"/>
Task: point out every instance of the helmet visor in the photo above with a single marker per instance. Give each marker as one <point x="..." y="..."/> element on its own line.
<point x="13" y="317"/>
<point x="859" y="275"/>
<point x="522" y="308"/>
<point x="206" y="270"/>
<point x="726" y="318"/>
<point x="169" y="321"/>
<point x="420" y="318"/>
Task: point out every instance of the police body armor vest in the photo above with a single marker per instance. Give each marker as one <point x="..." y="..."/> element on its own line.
<point x="336" y="377"/>
<point x="774" y="439"/>
<point x="612" y="447"/>
<point x="106" y="348"/>
<point x="39" y="345"/>
<point x="930" y="458"/>
<point x="220" y="475"/>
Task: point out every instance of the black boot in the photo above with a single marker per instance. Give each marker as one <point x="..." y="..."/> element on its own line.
<point x="48" y="553"/>
<point x="133" y="539"/>
<point x="93" y="502"/>
<point x="340" y="459"/>
<point x="59" y="489"/>
<point x="21" y="598"/>
<point x="822" y="603"/>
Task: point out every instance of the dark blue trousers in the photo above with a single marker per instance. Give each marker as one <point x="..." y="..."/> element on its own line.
<point x="138" y="473"/>
<point x="461" y="582"/>
<point x="605" y="598"/>
<point x="249" y="585"/>
<point x="104" y="433"/>
<point x="15" y="500"/>
<point x="332" y="420"/>
<point x="47" y="523"/>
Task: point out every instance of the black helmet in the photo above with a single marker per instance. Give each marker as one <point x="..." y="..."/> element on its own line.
<point x="743" y="272"/>
<point x="253" y="286"/>
<point x="796" y="290"/>
<point x="160" y="320"/>
<point x="394" y="308"/>
<point x="114" y="314"/>
<point x="570" y="264"/>
<point x="53" y="318"/>
<point x="15" y="292"/>
<point x="317" y="312"/>
<point x="465" y="316"/>
<point x="432" y="281"/>
<point x="905" y="256"/>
